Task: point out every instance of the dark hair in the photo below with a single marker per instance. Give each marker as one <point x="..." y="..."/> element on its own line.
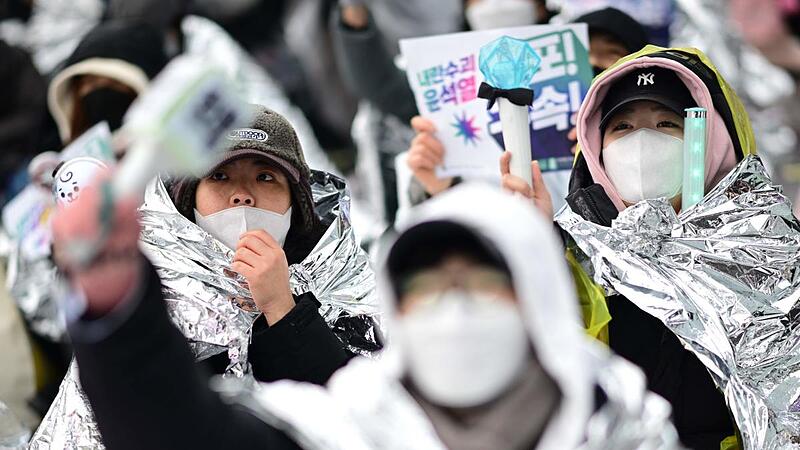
<point x="428" y="244"/>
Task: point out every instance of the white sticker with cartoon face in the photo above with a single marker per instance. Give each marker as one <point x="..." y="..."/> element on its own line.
<point x="73" y="176"/>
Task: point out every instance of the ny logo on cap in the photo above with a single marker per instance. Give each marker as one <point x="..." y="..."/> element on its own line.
<point x="645" y="79"/>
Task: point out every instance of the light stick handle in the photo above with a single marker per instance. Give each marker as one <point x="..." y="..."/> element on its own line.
<point x="694" y="157"/>
<point x="137" y="168"/>
<point x="517" y="138"/>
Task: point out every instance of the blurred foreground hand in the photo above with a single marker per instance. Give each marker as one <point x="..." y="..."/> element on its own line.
<point x="113" y="273"/>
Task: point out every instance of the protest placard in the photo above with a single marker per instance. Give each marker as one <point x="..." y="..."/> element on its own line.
<point x="443" y="73"/>
<point x="94" y="143"/>
<point x="26" y="217"/>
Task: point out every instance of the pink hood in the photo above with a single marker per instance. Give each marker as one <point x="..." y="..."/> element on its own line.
<point x="720" y="154"/>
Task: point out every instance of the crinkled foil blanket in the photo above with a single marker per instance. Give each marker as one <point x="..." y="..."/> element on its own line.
<point x="213" y="307"/>
<point x="30" y="280"/>
<point x="724" y="276"/>
<point x="30" y="283"/>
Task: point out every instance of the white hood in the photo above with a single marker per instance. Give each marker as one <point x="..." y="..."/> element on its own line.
<point x="59" y="96"/>
<point x="534" y="255"/>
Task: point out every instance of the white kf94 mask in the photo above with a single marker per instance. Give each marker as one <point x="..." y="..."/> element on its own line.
<point x="490" y="14"/>
<point x="645" y="164"/>
<point x="227" y="225"/>
<point x="464" y="350"/>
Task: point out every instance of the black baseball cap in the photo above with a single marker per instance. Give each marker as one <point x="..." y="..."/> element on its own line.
<point x="655" y="84"/>
<point x="618" y="25"/>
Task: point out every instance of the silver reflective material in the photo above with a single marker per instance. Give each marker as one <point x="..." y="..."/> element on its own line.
<point x="724" y="276"/>
<point x="13" y="436"/>
<point x="212" y="306"/>
<point x="30" y="274"/>
<point x="204" y="296"/>
<point x="69" y="423"/>
<point x="30" y="281"/>
<point x="338" y="271"/>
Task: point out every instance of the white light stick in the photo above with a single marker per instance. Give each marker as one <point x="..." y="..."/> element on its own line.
<point x="517" y="138"/>
<point x="508" y="65"/>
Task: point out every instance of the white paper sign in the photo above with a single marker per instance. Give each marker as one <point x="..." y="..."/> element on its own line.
<point x="443" y="73"/>
<point x="94" y="142"/>
<point x="26" y="219"/>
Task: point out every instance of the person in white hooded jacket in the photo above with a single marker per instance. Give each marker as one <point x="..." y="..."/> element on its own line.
<point x="486" y="351"/>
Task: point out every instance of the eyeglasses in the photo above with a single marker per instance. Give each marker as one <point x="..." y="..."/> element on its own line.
<point x="480" y="279"/>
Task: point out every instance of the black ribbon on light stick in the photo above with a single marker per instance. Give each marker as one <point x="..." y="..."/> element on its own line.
<point x="517" y="96"/>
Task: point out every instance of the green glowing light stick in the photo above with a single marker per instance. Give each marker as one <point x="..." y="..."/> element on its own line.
<point x="694" y="157"/>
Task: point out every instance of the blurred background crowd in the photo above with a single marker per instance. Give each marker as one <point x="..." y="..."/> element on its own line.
<point x="333" y="69"/>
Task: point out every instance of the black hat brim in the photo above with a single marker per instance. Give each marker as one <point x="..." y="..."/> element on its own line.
<point x="671" y="103"/>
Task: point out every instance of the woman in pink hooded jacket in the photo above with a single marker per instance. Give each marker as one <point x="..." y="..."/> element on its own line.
<point x="630" y="148"/>
<point x="630" y="136"/>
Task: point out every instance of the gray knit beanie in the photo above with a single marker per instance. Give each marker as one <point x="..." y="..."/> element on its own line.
<point x="269" y="136"/>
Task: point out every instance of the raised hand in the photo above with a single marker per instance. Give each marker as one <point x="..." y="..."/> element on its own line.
<point x="261" y="261"/>
<point x="108" y="279"/>
<point x="425" y="154"/>
<point x="538" y="193"/>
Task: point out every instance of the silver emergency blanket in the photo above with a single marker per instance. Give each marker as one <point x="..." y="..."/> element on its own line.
<point x="30" y="282"/>
<point x="208" y="303"/>
<point x="212" y="306"/>
<point x="13" y="436"/>
<point x="30" y="272"/>
<point x="203" y="295"/>
<point x="724" y="276"/>
<point x="69" y="423"/>
<point x="338" y="271"/>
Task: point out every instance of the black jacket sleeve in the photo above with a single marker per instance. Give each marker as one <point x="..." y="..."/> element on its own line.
<point x="300" y="347"/>
<point x="698" y="408"/>
<point x="146" y="391"/>
<point x="369" y="70"/>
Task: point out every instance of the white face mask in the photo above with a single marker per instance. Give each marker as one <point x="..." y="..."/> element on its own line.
<point x="489" y="14"/>
<point x="463" y="350"/>
<point x="227" y="225"/>
<point x="645" y="164"/>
